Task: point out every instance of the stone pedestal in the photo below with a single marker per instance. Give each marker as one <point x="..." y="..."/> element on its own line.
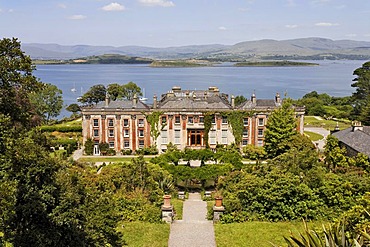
<point x="181" y="195"/>
<point x="167" y="209"/>
<point x="207" y="194"/>
<point x="217" y="212"/>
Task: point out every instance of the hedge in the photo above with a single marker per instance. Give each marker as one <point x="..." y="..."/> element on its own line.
<point x="73" y="128"/>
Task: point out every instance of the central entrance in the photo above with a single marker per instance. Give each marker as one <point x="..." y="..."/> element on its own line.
<point x="195" y="137"/>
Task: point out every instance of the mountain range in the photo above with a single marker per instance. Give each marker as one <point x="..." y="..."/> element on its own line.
<point x="305" y="48"/>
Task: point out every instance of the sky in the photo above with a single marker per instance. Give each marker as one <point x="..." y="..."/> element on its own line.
<point x="164" y="23"/>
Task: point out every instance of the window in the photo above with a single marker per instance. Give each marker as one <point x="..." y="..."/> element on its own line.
<point x="190" y="120"/>
<point x="141" y="143"/>
<point x="177" y="120"/>
<point x="126" y="144"/>
<point x="245" y="142"/>
<point x="177" y="136"/>
<point x="164" y="136"/>
<point x="141" y="122"/>
<point x="126" y="133"/>
<point x="164" y="120"/>
<point x="224" y="137"/>
<point x="212" y="137"/>
<point x="245" y="133"/>
<point x="259" y="143"/>
<point x="110" y="123"/>
<point x="111" y="133"/>
<point x="224" y="120"/>
<point x="96" y="122"/>
<point x="213" y="120"/>
<point x="260" y="132"/>
<point x="111" y="144"/>
<point x="141" y="133"/>
<point x="201" y="119"/>
<point x="96" y="133"/>
<point x="260" y="122"/>
<point x="245" y="121"/>
<point x="125" y="122"/>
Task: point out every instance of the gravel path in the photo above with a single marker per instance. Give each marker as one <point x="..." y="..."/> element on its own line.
<point x="194" y="229"/>
<point x="324" y="132"/>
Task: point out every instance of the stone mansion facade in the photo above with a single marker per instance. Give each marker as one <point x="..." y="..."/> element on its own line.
<point x="123" y="123"/>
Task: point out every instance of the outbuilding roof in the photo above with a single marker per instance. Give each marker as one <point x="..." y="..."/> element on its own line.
<point x="357" y="139"/>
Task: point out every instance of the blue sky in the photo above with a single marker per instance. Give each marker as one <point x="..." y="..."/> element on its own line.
<point x="163" y="23"/>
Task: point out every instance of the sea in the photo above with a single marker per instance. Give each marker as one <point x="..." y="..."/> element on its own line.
<point x="331" y="77"/>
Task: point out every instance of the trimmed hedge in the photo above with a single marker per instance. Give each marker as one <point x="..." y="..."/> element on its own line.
<point x="73" y="128"/>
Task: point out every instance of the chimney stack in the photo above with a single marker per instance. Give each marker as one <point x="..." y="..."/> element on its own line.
<point x="253" y="98"/>
<point x="356" y="125"/>
<point x="277" y="98"/>
<point x="134" y="101"/>
<point x="155" y="101"/>
<point x="232" y="101"/>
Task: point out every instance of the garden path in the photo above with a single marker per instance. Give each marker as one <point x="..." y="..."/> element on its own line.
<point x="194" y="229"/>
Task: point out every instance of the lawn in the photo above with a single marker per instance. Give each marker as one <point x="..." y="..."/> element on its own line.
<point x="258" y="233"/>
<point x="313" y="136"/>
<point x="114" y="159"/>
<point x="177" y="206"/>
<point x="144" y="234"/>
<point x="327" y="124"/>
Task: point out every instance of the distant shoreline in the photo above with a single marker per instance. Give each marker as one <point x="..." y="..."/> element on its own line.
<point x="274" y="64"/>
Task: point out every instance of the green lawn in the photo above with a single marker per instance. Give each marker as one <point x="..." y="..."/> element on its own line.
<point x="177" y="205"/>
<point x="144" y="234"/>
<point x="258" y="233"/>
<point x="327" y="124"/>
<point x="108" y="159"/>
<point x="313" y="136"/>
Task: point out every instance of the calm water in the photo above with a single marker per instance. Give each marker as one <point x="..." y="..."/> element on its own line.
<point x="332" y="77"/>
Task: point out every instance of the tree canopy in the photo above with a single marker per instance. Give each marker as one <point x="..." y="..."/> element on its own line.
<point x="361" y="96"/>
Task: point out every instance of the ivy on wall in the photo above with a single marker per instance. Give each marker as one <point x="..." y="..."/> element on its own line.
<point x="155" y="125"/>
<point x="208" y="117"/>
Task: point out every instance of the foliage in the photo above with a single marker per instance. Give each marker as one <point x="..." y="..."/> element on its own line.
<point x="74" y="108"/>
<point x="208" y="118"/>
<point x="279" y="129"/>
<point x="89" y="146"/>
<point x="332" y="236"/>
<point x="103" y="147"/>
<point x="48" y="101"/>
<point x="16" y="83"/>
<point x="240" y="99"/>
<point x="126" y="151"/>
<point x="61" y="128"/>
<point x="152" y="150"/>
<point x="155" y="125"/>
<point x="254" y="153"/>
<point x="335" y="156"/>
<point x="235" y="119"/>
<point x="361" y="96"/>
<point x="130" y="89"/>
<point x="95" y="94"/>
<point x="115" y="91"/>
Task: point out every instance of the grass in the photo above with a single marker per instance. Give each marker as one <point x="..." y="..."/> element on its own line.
<point x="327" y="124"/>
<point x="114" y="159"/>
<point x="144" y="234"/>
<point x="177" y="205"/>
<point x="258" y="233"/>
<point x="313" y="136"/>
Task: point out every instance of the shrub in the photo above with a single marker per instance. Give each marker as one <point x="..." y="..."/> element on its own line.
<point x="126" y="151"/>
<point x="72" y="128"/>
<point x="89" y="146"/>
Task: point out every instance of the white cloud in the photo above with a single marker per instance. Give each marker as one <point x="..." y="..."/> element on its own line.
<point x="291" y="26"/>
<point x="113" y="7"/>
<point x="222" y="28"/>
<point x="326" y="24"/>
<point x="162" y="3"/>
<point x="77" y="17"/>
<point x="62" y="6"/>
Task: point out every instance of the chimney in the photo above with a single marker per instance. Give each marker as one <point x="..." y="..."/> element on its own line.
<point x="277" y="98"/>
<point x="216" y="91"/>
<point x="155" y="101"/>
<point x="176" y="89"/>
<point x="232" y="101"/>
<point x="253" y="98"/>
<point x="107" y="99"/>
<point x="205" y="95"/>
<point x="356" y="125"/>
<point x="134" y="101"/>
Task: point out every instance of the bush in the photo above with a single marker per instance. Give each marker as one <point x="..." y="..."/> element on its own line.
<point x="89" y="147"/>
<point x="126" y="151"/>
<point x="152" y="150"/>
<point x="72" y="128"/>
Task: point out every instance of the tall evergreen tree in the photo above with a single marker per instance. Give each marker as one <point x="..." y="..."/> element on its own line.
<point x="280" y="128"/>
<point x="361" y="96"/>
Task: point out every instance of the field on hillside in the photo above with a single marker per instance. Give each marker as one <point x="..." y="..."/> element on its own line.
<point x="312" y="121"/>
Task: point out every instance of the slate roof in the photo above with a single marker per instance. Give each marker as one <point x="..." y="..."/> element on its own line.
<point x="260" y="104"/>
<point x="358" y="140"/>
<point x="194" y="100"/>
<point x="119" y="104"/>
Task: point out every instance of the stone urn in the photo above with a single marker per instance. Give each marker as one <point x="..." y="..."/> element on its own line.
<point x="218" y="201"/>
<point x="167" y="201"/>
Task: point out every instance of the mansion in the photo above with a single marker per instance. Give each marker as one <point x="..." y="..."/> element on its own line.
<point x="123" y="124"/>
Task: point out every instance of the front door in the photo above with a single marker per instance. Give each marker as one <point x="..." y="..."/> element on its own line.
<point x="195" y="137"/>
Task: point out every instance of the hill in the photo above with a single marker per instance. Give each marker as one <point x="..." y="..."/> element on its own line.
<point x="306" y="48"/>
